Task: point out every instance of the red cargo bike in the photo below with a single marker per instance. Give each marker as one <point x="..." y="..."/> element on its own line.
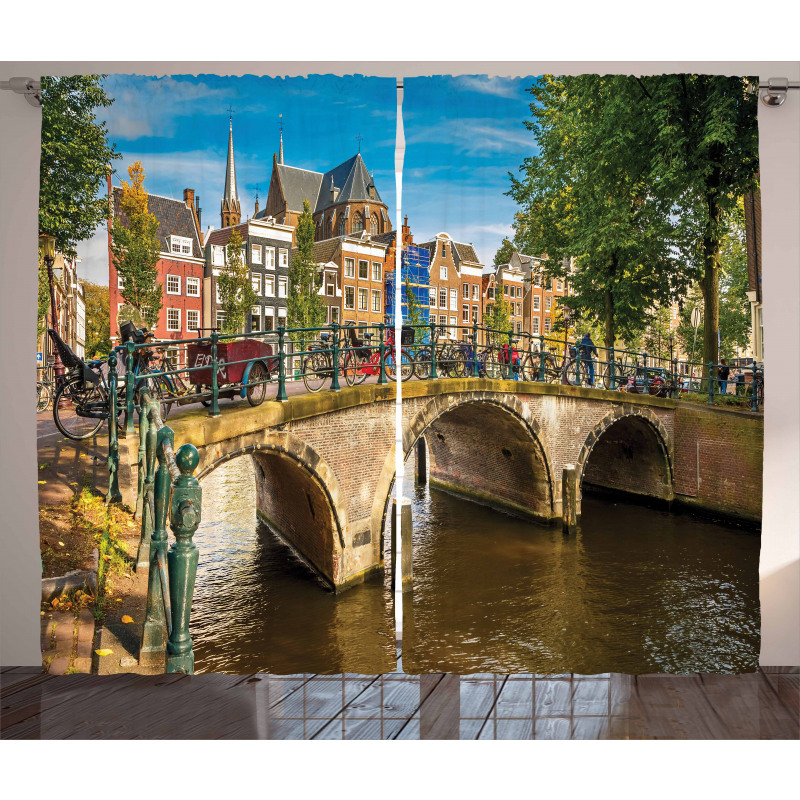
<point x="255" y="365"/>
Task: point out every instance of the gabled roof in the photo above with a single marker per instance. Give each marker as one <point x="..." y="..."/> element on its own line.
<point x="324" y="251"/>
<point x="461" y="252"/>
<point x="221" y="235"/>
<point x="297" y="185"/>
<point x="174" y="219"/>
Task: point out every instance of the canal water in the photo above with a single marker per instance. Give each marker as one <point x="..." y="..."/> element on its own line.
<point x="637" y="590"/>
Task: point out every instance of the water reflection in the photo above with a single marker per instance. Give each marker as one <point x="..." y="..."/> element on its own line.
<point x="258" y="608"/>
<point x="638" y="590"/>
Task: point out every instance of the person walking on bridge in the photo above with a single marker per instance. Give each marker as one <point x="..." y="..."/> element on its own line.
<point x="588" y="348"/>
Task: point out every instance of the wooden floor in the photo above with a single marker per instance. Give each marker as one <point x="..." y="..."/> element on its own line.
<point x="764" y="705"/>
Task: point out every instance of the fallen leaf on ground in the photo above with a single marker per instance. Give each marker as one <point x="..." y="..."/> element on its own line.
<point x="104" y="652"/>
<point x="42" y="481"/>
<point x="126" y="619"/>
<point x="119" y="599"/>
<point x="61" y="543"/>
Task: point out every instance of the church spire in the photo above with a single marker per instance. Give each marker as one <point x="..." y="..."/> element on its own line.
<point x="230" y="212"/>
<point x="280" y="150"/>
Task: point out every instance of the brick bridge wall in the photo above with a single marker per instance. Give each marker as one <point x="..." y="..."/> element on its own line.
<point x="325" y="463"/>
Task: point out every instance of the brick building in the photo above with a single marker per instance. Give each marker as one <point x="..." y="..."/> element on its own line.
<point x="456" y="291"/>
<point x="180" y="264"/>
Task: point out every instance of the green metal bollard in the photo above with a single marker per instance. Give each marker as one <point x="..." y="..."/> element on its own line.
<point x="382" y="351"/>
<point x="214" y="410"/>
<point x="711" y="383"/>
<point x="335" y="358"/>
<point x="612" y="369"/>
<point x="114" y="495"/>
<point x="541" y="357"/>
<point x="282" y="396"/>
<point x="475" y="371"/>
<point x="158" y="620"/>
<point x="129" y="381"/>
<point x="148" y="504"/>
<point x="434" y="374"/>
<point x="144" y="399"/>
<point x="182" y="558"/>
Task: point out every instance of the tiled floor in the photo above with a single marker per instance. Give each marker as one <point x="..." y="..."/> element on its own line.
<point x="396" y="706"/>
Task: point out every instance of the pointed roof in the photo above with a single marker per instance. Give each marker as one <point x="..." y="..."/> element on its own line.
<point x="353" y="181"/>
<point x="231" y="194"/>
<point x="280" y="149"/>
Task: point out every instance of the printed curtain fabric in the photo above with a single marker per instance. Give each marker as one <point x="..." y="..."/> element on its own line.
<point x="510" y="424"/>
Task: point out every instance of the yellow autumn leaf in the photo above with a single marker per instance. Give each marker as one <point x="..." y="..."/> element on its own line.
<point x="119" y="599"/>
<point x="104" y="652"/>
<point x="61" y="543"/>
<point x="126" y="619"/>
<point x="42" y="481"/>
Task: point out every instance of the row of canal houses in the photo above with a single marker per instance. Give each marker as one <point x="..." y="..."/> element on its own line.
<point x="355" y="250"/>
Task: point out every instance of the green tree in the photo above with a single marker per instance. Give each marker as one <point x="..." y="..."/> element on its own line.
<point x="657" y="332"/>
<point x="305" y="307"/>
<point x="75" y="155"/>
<point x="98" y="333"/>
<point x="135" y="248"/>
<point x="504" y="252"/>
<point x="705" y="145"/>
<point x="236" y="295"/>
<point x="497" y="315"/>
<point x="589" y="192"/>
<point x="43" y="304"/>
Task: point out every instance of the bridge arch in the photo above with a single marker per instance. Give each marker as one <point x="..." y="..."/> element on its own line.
<point x="628" y="450"/>
<point x="511" y="471"/>
<point x="298" y="495"/>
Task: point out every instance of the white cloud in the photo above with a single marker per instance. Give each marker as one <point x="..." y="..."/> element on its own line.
<point x="473" y="137"/>
<point x="501" y="87"/>
<point x="93" y="255"/>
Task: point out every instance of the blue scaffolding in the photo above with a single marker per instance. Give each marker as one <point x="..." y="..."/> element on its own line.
<point x="415" y="265"/>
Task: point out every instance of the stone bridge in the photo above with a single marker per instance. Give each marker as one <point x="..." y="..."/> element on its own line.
<point x="325" y="463"/>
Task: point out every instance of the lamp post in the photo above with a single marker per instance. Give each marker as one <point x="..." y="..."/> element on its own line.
<point x="47" y="245"/>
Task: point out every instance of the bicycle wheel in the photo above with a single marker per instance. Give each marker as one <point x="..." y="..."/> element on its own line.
<point x="315" y="370"/>
<point x="352" y="369"/>
<point x="161" y="390"/>
<point x="257" y="384"/>
<point x="422" y="363"/>
<point x="406" y="366"/>
<point x="552" y="370"/>
<point x="71" y="397"/>
<point x="490" y="365"/>
<point x="575" y="379"/>
<point x="43" y="396"/>
<point x="621" y="373"/>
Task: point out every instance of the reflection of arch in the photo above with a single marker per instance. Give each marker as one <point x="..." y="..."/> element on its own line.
<point x="508" y="406"/>
<point x="636" y="421"/>
<point x="309" y="506"/>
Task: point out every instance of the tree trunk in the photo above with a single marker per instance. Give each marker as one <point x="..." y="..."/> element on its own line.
<point x="609" y="332"/>
<point x="710" y="288"/>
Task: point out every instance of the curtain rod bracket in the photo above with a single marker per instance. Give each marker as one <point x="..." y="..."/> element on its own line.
<point x="30" y="88"/>
<point x="773" y="92"/>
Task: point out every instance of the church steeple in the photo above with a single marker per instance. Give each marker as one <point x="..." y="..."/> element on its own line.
<point x="230" y="211"/>
<point x="280" y="150"/>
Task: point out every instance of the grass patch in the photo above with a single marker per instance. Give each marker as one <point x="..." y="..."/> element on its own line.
<point x="729" y="400"/>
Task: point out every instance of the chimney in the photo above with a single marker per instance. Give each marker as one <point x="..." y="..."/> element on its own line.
<point x="199" y="211"/>
<point x="406" y="237"/>
<point x="188" y="198"/>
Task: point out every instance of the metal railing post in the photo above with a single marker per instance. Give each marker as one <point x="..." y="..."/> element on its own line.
<point x="510" y="364"/>
<point x="129" y="380"/>
<point x="711" y="383"/>
<point x="182" y="558"/>
<point x="335" y="358"/>
<point x="114" y="495"/>
<point x="578" y="378"/>
<point x="144" y="399"/>
<point x="612" y="369"/>
<point x="214" y="410"/>
<point x="158" y="619"/>
<point x="282" y="396"/>
<point x="148" y="506"/>
<point x="433" y="372"/>
<point x="475" y="372"/>
<point x="382" y="352"/>
<point x="541" y="357"/>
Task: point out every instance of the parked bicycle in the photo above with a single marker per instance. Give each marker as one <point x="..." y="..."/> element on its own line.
<point x="45" y="388"/>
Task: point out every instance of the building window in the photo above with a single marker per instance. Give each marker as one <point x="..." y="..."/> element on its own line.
<point x="465" y="291"/>
<point x="221" y="317"/>
<point x="269" y="319"/>
<point x="217" y="255"/>
<point x="505" y="289"/>
<point x="373" y="221"/>
<point x="334" y="313"/>
<point x="537" y="279"/>
<point x="173" y="319"/>
<point x="443" y="272"/>
<point x="255" y="278"/>
<point x="465" y="313"/>
<point x="180" y="245"/>
<point x="377" y="271"/>
<point x="256" y="253"/>
<point x="537" y="302"/>
<point x="474" y="313"/>
<point x="283" y="255"/>
<point x="490" y="293"/>
<point x="349" y="297"/>
<point x="255" y="324"/>
<point x="535" y="322"/>
<point x="444" y="251"/>
<point x="453" y="329"/>
<point x="519" y="291"/>
<point x="519" y="309"/>
<point x="476" y="295"/>
<point x="192" y="320"/>
<point x="173" y="284"/>
<point x="283" y="285"/>
<point x="442" y="298"/>
<point x="376" y="300"/>
<point x="349" y="268"/>
<point x="330" y="289"/>
<point x="358" y="223"/>
<point x="519" y="327"/>
<point x="454" y="299"/>
<point x="269" y="286"/>
<point x="559" y="285"/>
<point x="362" y="299"/>
<point x="341" y="225"/>
<point x="363" y="270"/>
<point x="547" y="324"/>
<point x="432" y="297"/>
<point x="193" y="287"/>
<point x="269" y="257"/>
<point x="119" y="281"/>
<point x="548" y="303"/>
<point x="443" y="323"/>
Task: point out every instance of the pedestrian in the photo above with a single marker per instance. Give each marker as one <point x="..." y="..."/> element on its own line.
<point x="722" y="373"/>
<point x="587" y="349"/>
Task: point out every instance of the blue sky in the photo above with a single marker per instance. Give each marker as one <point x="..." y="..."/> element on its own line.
<point x="463" y="135"/>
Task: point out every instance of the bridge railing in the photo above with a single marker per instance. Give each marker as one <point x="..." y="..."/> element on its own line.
<point x="171" y="490"/>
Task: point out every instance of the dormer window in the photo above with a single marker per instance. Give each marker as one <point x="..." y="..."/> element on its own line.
<point x="180" y="245"/>
<point x="444" y="251"/>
